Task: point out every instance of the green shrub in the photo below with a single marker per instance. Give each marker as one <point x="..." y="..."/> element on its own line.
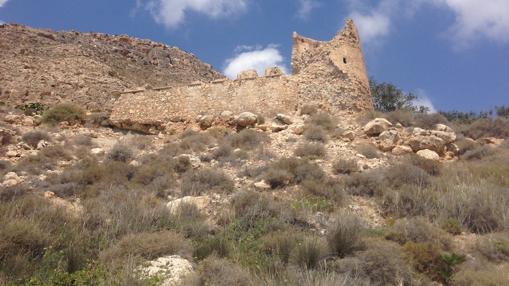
<point x="197" y="182"/>
<point x="33" y="137"/>
<point x="344" y="234"/>
<point x="64" y="112"/>
<point x="211" y="246"/>
<point x="33" y="108"/>
<point x="310" y="151"/>
<point x="280" y="245"/>
<point x="344" y="166"/>
<point x="308" y="253"/>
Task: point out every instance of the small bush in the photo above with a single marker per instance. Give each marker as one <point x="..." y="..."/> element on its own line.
<point x="344" y="166"/>
<point x="487" y="127"/>
<point x="478" y="153"/>
<point x="214" y="245"/>
<point x="308" y="253"/>
<point x="310" y="151"/>
<point x="368" y="150"/>
<point x="308" y="109"/>
<point x="323" y="120"/>
<point x="148" y="246"/>
<point x="291" y="171"/>
<point x="417" y="230"/>
<point x="247" y="139"/>
<point x="495" y="247"/>
<point x="315" y="133"/>
<point x="344" y="234"/>
<point x="197" y="182"/>
<point x="364" y="184"/>
<point x="330" y="189"/>
<point x="33" y="108"/>
<point x="433" y="168"/>
<point x="195" y="141"/>
<point x="120" y="153"/>
<point x="64" y="112"/>
<point x="405" y="174"/>
<point x="33" y="137"/>
<point x="82" y="140"/>
<point x="280" y="244"/>
<point x="428" y="120"/>
<point x="489" y="275"/>
<point x="221" y="272"/>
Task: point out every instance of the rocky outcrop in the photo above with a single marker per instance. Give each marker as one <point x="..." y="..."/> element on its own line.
<point x="170" y="270"/>
<point x="377" y="126"/>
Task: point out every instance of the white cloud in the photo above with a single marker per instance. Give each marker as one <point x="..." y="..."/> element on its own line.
<point x="474" y="19"/>
<point x="478" y="18"/>
<point x="254" y="58"/>
<point x="171" y="13"/>
<point x="424" y="100"/>
<point x="2" y="2"/>
<point x="306" y="7"/>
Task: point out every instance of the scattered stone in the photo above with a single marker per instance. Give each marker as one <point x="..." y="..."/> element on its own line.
<point x="349" y="135"/>
<point x="12" y="154"/>
<point x="170" y="270"/>
<point x="276" y="127"/>
<point x="388" y="140"/>
<point x="246" y="119"/>
<point x="402" y="150"/>
<point x="205" y="121"/>
<point x="11" y="118"/>
<point x="262" y="185"/>
<point x="442" y="127"/>
<point x="490" y="141"/>
<point x="377" y="126"/>
<point x="226" y="116"/>
<point x="297" y="128"/>
<point x="11" y="179"/>
<point x="97" y="151"/>
<point x="421" y="142"/>
<point x="283" y="118"/>
<point x="428" y="154"/>
<point x="27" y="121"/>
<point x="200" y="202"/>
<point x="448" y="137"/>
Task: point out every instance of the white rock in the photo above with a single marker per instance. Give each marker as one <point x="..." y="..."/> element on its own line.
<point x="431" y="142"/>
<point x="12" y="154"/>
<point x="297" y="128"/>
<point x="377" y="126"/>
<point x="428" y="154"/>
<point x="97" y="151"/>
<point x="262" y="185"/>
<point x="11" y="179"/>
<point x="27" y="121"/>
<point x="442" y="127"/>
<point x="42" y="144"/>
<point x="200" y="202"/>
<point x="448" y="137"/>
<point x="170" y="269"/>
<point x="276" y="127"/>
<point x="246" y="119"/>
<point x="11" y="118"/>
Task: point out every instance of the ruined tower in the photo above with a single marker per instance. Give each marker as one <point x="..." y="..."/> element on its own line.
<point x="332" y="73"/>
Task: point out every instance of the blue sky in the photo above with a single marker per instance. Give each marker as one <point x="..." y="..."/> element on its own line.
<point x="453" y="52"/>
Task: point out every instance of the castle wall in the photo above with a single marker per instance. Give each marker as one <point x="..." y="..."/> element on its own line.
<point x="264" y="95"/>
<point x="329" y="74"/>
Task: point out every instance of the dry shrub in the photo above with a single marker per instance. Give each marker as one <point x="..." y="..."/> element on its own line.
<point x="288" y="171"/>
<point x="418" y="230"/>
<point x="120" y="153"/>
<point x="487" y="127"/>
<point x="478" y="153"/>
<point x="64" y="112"/>
<point x="431" y="167"/>
<point x="344" y="234"/>
<point x="310" y="151"/>
<point x="406" y="174"/>
<point x="489" y="275"/>
<point x="494" y="247"/>
<point x="409" y="201"/>
<point x="368" y="183"/>
<point x="403" y="116"/>
<point x="323" y="120"/>
<point x="327" y="188"/>
<point x="308" y="253"/>
<point x="368" y="150"/>
<point x="33" y="137"/>
<point x="315" y="133"/>
<point x="344" y="166"/>
<point x="197" y="182"/>
<point x="221" y="272"/>
<point x="247" y="139"/>
<point x="195" y="141"/>
<point x="465" y="145"/>
<point x="147" y="246"/>
<point x="280" y="244"/>
<point x="82" y="140"/>
<point x="428" y="120"/>
<point x="308" y="109"/>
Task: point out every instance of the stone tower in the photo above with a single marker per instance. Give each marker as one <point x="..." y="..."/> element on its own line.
<point x="332" y="73"/>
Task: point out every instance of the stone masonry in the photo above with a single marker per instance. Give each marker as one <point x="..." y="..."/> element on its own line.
<point x="329" y="74"/>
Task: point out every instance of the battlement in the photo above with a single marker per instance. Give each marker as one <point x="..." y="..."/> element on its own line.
<point x="331" y="74"/>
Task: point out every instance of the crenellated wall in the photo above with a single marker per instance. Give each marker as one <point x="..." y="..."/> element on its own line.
<point x="331" y="74"/>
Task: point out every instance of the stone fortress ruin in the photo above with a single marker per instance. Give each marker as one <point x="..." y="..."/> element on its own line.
<point x="329" y="74"/>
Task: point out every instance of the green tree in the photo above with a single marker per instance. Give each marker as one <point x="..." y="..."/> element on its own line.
<point x="387" y="97"/>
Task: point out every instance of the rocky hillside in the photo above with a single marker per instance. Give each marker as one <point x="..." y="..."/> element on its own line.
<point x="87" y="68"/>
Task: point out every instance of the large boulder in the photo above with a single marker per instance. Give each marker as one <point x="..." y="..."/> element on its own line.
<point x="442" y="127"/>
<point x="448" y="137"/>
<point x="200" y="202"/>
<point x="283" y="118"/>
<point x="246" y="119"/>
<point x="388" y="140"/>
<point x="428" y="154"/>
<point x="431" y="142"/>
<point x="169" y="270"/>
<point x="402" y="150"/>
<point x="377" y="126"/>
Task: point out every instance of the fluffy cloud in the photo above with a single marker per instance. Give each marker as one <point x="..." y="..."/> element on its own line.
<point x="172" y="13"/>
<point x="478" y="18"/>
<point x="2" y="2"/>
<point x="253" y="58"/>
<point x="474" y="19"/>
<point x="306" y="7"/>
